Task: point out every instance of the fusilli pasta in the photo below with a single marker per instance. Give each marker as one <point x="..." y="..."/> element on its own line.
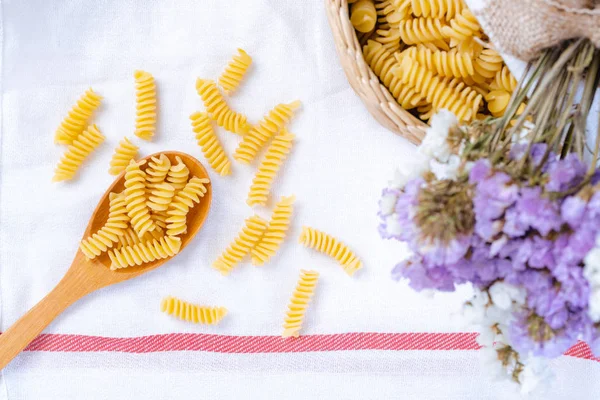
<point x="390" y="39"/>
<point x="77" y="152"/>
<point x="218" y="109"/>
<point x="124" y="153"/>
<point x="421" y="30"/>
<point x="135" y="197"/>
<point x="504" y="80"/>
<point x="304" y="291"/>
<point x="178" y="174"/>
<point x="193" y="191"/>
<point x="209" y="143"/>
<point x="446" y="9"/>
<point x="462" y="27"/>
<point x="191" y="312"/>
<point x="145" y="120"/>
<point x="327" y="244"/>
<point x="444" y="63"/>
<point x="276" y="231"/>
<point x="363" y="15"/>
<point x="144" y="252"/>
<point x="488" y="63"/>
<point x="160" y="197"/>
<point x="109" y="234"/>
<point x="260" y="134"/>
<point x="234" y="72"/>
<point x="157" y="170"/>
<point x="248" y="237"/>
<point x="78" y="116"/>
<point x="497" y="101"/>
<point x="269" y="167"/>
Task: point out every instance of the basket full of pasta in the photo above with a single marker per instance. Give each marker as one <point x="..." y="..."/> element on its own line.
<point x="406" y="59"/>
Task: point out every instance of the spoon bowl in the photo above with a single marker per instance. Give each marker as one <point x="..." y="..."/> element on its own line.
<point x="85" y="276"/>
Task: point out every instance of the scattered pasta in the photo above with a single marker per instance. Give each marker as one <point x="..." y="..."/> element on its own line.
<point x="234" y="72"/>
<point x="276" y="231"/>
<point x="124" y="153"/>
<point x="113" y="229"/>
<point x="75" y="122"/>
<point x="217" y="108"/>
<point x="327" y="244"/>
<point x="304" y="291"/>
<point x="248" y="237"/>
<point x="268" y="168"/>
<point x="145" y="121"/>
<point x="191" y="312"/>
<point x="209" y="143"/>
<point x="77" y="152"/>
<point x="260" y="134"/>
<point x="144" y="252"/>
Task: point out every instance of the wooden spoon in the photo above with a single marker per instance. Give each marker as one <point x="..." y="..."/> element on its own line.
<point x="86" y="276"/>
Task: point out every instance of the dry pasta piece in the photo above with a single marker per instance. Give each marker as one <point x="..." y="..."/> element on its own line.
<point x="157" y="171"/>
<point x="463" y="27"/>
<point x="421" y="30"/>
<point x="78" y="116"/>
<point x="209" y="143"/>
<point x="193" y="191"/>
<point x="130" y="237"/>
<point x="497" y="101"/>
<point x="304" y="291"/>
<point x="145" y="99"/>
<point x="391" y="12"/>
<point x="77" y="152"/>
<point x="144" y="252"/>
<point x="504" y="80"/>
<point x="178" y="174"/>
<point x="234" y="72"/>
<point x="363" y="15"/>
<point x="248" y="237"/>
<point x="327" y="244"/>
<point x="124" y="153"/>
<point x="160" y="219"/>
<point x="444" y="63"/>
<point x="135" y="196"/>
<point x="488" y="63"/>
<point x="218" y="109"/>
<point x="268" y="168"/>
<point x="276" y="231"/>
<point x="109" y="234"/>
<point x="191" y="312"/>
<point x="382" y="62"/>
<point x="260" y="134"/>
<point x="390" y="39"/>
<point x="160" y="197"/>
<point x="446" y="9"/>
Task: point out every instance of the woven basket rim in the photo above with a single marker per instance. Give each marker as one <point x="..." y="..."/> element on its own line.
<point x="376" y="97"/>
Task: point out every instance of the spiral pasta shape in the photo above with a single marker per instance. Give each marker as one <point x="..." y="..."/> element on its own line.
<point x="144" y="252"/>
<point x="135" y="197"/>
<point x="178" y="174"/>
<point x="191" y="312"/>
<point x="76" y="120"/>
<point x="209" y="143"/>
<point x="248" y="237"/>
<point x="276" y="231"/>
<point x="130" y="237"/>
<point x="157" y="171"/>
<point x="390" y="39"/>
<point x="218" y="109"/>
<point x="260" y="134"/>
<point x="145" y="99"/>
<point x="234" y="72"/>
<point x="160" y="220"/>
<point x="269" y="167"/>
<point x="327" y="244"/>
<point x="462" y="27"/>
<point x="391" y="12"/>
<point x="193" y="191"/>
<point x="382" y="62"/>
<point x="124" y="153"/>
<point x="498" y="101"/>
<point x="77" y="152"/>
<point x="421" y="30"/>
<point x="488" y="63"/>
<point x="160" y="197"/>
<point x="504" y="80"/>
<point x="444" y="63"/>
<point x="109" y="234"/>
<point x="446" y="9"/>
<point x="363" y="15"/>
<point x="304" y="291"/>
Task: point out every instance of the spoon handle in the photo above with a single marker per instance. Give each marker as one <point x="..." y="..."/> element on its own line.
<point x="72" y="287"/>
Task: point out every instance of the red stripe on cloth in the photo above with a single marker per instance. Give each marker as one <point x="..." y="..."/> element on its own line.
<point x="270" y="344"/>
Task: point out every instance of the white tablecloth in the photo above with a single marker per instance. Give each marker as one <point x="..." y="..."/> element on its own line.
<point x="52" y="51"/>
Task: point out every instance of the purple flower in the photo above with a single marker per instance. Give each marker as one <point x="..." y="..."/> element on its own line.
<point x="529" y="337"/>
<point x="443" y="254"/>
<point x="572" y="210"/>
<point x="537" y="153"/>
<point x="565" y="174"/>
<point x="421" y="277"/>
<point x="481" y="170"/>
<point x="538" y="212"/>
<point x="513" y="225"/>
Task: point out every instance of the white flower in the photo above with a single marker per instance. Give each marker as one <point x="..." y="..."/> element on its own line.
<point x="591" y="271"/>
<point x="492" y="364"/>
<point x="446" y="170"/>
<point x="504" y="295"/>
<point x="413" y="168"/>
<point x="387" y="203"/>
<point x="497" y="245"/>
<point x="435" y="144"/>
<point x="535" y="375"/>
<point x="594" y="305"/>
<point x="393" y="227"/>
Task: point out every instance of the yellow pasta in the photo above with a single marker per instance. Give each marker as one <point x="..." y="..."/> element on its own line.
<point x="157" y="171"/>
<point x="446" y="9"/>
<point x="504" y="80"/>
<point x="77" y="152"/>
<point x="234" y="72"/>
<point x="421" y="30"/>
<point x="160" y="197"/>
<point x="382" y="62"/>
<point x="178" y="174"/>
<point x="193" y="191"/>
<point x="260" y="134"/>
<point x="78" y="117"/>
<point x="497" y="101"/>
<point x="391" y="12"/>
<point x="144" y="252"/>
<point x="191" y="312"/>
<point x="304" y="291"/>
<point x="135" y="196"/>
<point x="444" y="63"/>
<point x="269" y="167"/>
<point x="363" y="15"/>
<point x="124" y="153"/>
<point x="218" y="109"/>
<point x="145" y="121"/>
<point x="160" y="220"/>
<point x="130" y="237"/>
<point x="209" y="143"/>
<point x="463" y="27"/>
<point x="327" y="244"/>
<point x="488" y="63"/>
<point x="390" y="39"/>
<point x="109" y="234"/>
<point x="248" y="237"/>
<point x="276" y="231"/>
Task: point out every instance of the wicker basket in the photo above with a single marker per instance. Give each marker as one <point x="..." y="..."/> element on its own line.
<point x="365" y="83"/>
